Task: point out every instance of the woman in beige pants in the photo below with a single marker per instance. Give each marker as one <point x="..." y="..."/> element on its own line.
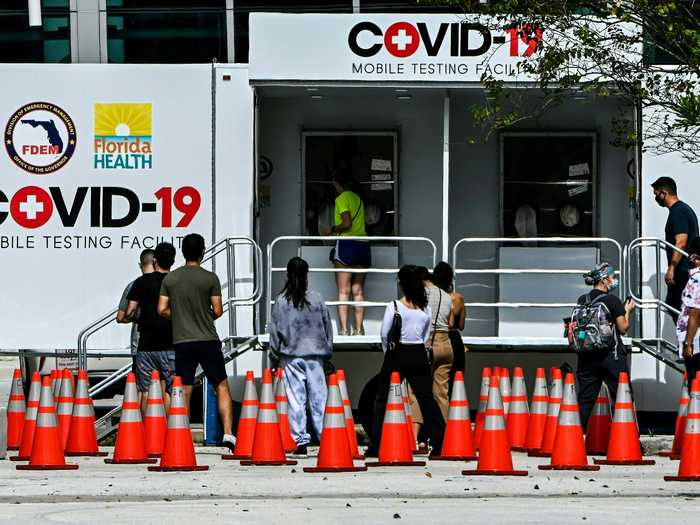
<point x="448" y="315"/>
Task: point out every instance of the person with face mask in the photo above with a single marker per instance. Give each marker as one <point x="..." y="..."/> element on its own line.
<point x="681" y="228"/>
<point x="596" y="367"/>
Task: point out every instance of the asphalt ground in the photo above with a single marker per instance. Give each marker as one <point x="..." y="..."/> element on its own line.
<point x="436" y="493"/>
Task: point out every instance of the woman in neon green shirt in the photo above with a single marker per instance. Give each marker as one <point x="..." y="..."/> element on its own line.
<point x="349" y="221"/>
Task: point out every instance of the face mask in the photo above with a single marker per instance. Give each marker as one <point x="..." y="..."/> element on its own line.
<point x="614" y="285"/>
<point x="659" y="200"/>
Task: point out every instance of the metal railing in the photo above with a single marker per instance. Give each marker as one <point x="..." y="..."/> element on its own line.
<point x="659" y="306"/>
<point x="227" y="246"/>
<point x="600" y="241"/>
<point x="296" y="238"/>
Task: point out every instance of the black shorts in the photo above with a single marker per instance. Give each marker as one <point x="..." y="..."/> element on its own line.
<point x="205" y="353"/>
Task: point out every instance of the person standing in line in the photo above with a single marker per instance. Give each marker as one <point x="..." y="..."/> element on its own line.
<point x="681" y="228"/>
<point x="440" y="304"/>
<point x="443" y="278"/>
<point x="146" y="266"/>
<point x="155" y="349"/>
<point x="407" y="354"/>
<point x="603" y="365"/>
<point x="689" y="320"/>
<point x="349" y="221"/>
<point x="301" y="341"/>
<point x="191" y="297"/>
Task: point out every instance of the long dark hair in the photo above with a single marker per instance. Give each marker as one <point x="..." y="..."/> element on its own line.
<point x="297" y="283"/>
<point x="443" y="276"/>
<point x="411" y="282"/>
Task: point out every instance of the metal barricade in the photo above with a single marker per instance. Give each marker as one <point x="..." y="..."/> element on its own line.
<point x="599" y="241"/>
<point x="634" y="252"/>
<point x="293" y="238"/>
<point x="227" y="246"/>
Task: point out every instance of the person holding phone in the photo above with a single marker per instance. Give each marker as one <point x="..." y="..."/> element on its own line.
<point x="600" y="366"/>
<point x="689" y="319"/>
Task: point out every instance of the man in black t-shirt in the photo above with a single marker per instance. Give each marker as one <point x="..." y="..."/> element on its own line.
<point x="596" y="367"/>
<point x="681" y="228"/>
<point x="155" y="349"/>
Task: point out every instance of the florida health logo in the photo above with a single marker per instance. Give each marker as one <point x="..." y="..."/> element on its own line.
<point x="123" y="137"/>
<point x="40" y="138"/>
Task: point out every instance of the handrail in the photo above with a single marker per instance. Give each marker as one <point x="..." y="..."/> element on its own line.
<point x="226" y="245"/>
<point x="285" y="238"/>
<point x="530" y="271"/>
<point x="657" y="304"/>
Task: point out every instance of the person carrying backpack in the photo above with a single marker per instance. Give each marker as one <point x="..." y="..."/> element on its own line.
<point x="594" y="332"/>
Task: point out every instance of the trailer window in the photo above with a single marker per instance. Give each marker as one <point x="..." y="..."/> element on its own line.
<point x="548" y="184"/>
<point x="371" y="160"/>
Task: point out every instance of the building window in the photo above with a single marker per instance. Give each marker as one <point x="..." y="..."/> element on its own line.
<point x="243" y="8"/>
<point x="407" y="6"/>
<point x="160" y="31"/>
<point x="548" y="184"/>
<point x="48" y="43"/>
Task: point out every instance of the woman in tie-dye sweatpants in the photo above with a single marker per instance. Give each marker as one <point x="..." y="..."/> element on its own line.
<point x="301" y="341"/>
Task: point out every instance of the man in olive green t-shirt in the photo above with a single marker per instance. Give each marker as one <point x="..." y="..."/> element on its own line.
<point x="191" y="297"/>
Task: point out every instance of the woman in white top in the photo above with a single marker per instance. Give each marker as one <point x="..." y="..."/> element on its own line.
<point x="409" y="358"/>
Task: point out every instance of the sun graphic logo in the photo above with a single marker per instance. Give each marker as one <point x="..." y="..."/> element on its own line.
<point x="123" y="138"/>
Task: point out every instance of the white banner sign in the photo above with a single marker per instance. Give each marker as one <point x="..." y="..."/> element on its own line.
<point x="403" y="47"/>
<point x="97" y="164"/>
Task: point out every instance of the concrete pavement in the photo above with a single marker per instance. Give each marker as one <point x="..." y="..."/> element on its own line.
<point x="436" y="493"/>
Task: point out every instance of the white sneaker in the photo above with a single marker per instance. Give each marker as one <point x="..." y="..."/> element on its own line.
<point x="229" y="441"/>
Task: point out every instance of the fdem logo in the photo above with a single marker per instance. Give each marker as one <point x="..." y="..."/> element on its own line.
<point x="123" y="136"/>
<point x="40" y="138"/>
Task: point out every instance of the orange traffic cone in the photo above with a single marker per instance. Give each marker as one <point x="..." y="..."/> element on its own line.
<point x="675" y="452"/>
<point x="518" y="413"/>
<point x="334" y="454"/>
<point x="25" y="448"/>
<point x="550" y="428"/>
<point x="349" y="420"/>
<point x="494" y="454"/>
<point x="64" y="406"/>
<point x="130" y="447"/>
<point x="538" y="413"/>
<point x="569" y="452"/>
<point x="15" y="412"/>
<point x="281" y="404"/>
<point x="624" y="447"/>
<point x="247" y="421"/>
<point x="55" y="384"/>
<point x="598" y="430"/>
<point x="483" y="403"/>
<point x="47" y="452"/>
<point x="394" y="449"/>
<point x="504" y="382"/>
<point x="410" y="434"/>
<point x="82" y="439"/>
<point x="458" y="444"/>
<point x="178" y="452"/>
<point x="689" y="467"/>
<point x="155" y="423"/>
<point x="267" y="445"/>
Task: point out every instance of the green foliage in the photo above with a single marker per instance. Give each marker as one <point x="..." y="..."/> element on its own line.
<point x="646" y="53"/>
